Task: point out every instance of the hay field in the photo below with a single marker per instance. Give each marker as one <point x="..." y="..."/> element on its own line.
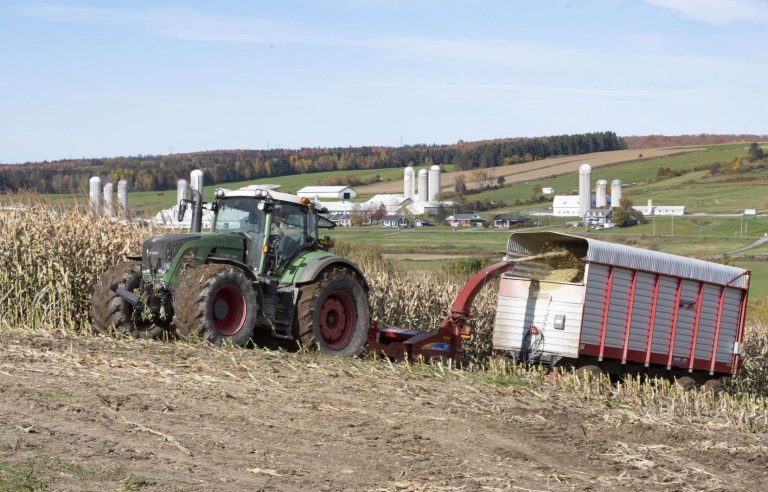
<point x="535" y="170"/>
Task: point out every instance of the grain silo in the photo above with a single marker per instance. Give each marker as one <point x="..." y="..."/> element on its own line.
<point x="109" y="199"/>
<point x="585" y="188"/>
<point x="94" y="193"/>
<point x="601" y="193"/>
<point x="196" y="180"/>
<point x="615" y="193"/>
<point x="122" y="196"/>
<point x="182" y="190"/>
<point x="423" y="184"/>
<point x="434" y="183"/>
<point x="408" y="182"/>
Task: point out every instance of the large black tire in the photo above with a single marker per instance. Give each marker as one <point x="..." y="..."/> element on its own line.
<point x="333" y="314"/>
<point x="217" y="303"/>
<point x="110" y="313"/>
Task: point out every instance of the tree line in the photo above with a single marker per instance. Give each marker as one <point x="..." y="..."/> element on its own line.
<point x="150" y="172"/>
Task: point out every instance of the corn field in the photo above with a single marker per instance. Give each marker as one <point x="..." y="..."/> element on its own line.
<point x="50" y="261"/>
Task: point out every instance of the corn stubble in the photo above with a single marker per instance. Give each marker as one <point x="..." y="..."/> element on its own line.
<point x="50" y="261"/>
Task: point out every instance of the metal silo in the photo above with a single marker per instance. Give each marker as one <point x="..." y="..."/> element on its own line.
<point x="408" y="182"/>
<point x="423" y="183"/>
<point x="615" y="193"/>
<point x="94" y="193"/>
<point x="601" y="199"/>
<point x="585" y="188"/>
<point x="109" y="198"/>
<point x="122" y="196"/>
<point x="434" y="182"/>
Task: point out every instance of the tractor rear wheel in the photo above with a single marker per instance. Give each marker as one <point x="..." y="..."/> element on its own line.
<point x="333" y="314"/>
<point x="215" y="302"/>
<point x="110" y="313"/>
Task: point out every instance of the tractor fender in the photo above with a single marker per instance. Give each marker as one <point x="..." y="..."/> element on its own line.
<point x="235" y="263"/>
<point x="313" y="270"/>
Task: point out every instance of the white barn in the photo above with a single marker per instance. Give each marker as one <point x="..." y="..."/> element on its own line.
<point x="566" y="206"/>
<point x="332" y="192"/>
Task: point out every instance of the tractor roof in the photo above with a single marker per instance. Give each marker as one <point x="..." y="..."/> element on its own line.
<point x="254" y="192"/>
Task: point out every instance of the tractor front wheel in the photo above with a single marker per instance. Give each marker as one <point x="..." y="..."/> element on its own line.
<point x="110" y="313"/>
<point x="333" y="314"/>
<point x="215" y="302"/>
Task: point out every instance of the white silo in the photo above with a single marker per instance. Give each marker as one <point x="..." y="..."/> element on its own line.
<point x="94" y="193"/>
<point x="434" y="182"/>
<point x="408" y="182"/>
<point x="615" y="193"/>
<point x="182" y="190"/>
<point x="109" y="198"/>
<point x="196" y="180"/>
<point x="601" y="198"/>
<point x="423" y="183"/>
<point x="585" y="188"/>
<point x="122" y="196"/>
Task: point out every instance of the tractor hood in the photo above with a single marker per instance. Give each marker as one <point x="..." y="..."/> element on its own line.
<point x="161" y="253"/>
<point x="158" y="252"/>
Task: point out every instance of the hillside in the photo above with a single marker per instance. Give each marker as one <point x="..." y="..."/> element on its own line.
<point x="100" y="414"/>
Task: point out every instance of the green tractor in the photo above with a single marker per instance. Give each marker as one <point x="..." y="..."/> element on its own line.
<point x="263" y="269"/>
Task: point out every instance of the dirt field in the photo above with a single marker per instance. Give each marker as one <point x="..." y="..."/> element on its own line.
<point x="89" y="413"/>
<point x="544" y="168"/>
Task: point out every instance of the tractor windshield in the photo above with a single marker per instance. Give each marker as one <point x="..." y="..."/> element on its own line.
<point x="242" y="216"/>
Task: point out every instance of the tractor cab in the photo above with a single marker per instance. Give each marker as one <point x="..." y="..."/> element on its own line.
<point x="277" y="227"/>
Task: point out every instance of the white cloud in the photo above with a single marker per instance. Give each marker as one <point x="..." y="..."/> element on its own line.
<point x="717" y="12"/>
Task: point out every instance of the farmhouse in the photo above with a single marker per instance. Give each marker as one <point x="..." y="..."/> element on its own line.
<point x="465" y="220"/>
<point x="332" y="192"/>
<point x="599" y="218"/>
<point x="510" y="221"/>
<point x="397" y="221"/>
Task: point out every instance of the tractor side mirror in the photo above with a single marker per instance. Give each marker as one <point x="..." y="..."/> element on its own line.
<point x="182" y="211"/>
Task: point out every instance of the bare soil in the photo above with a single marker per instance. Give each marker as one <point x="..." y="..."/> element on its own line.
<point x="100" y="414"/>
<point x="535" y="170"/>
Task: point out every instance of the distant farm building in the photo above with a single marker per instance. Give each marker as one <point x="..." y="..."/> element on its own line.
<point x="566" y="206"/>
<point x="650" y="210"/>
<point x="465" y="220"/>
<point x="599" y="218"/>
<point x="327" y="192"/>
<point x="394" y="204"/>
<point x="396" y="221"/>
<point x="510" y="221"/>
<point x="341" y="219"/>
<point x="547" y="190"/>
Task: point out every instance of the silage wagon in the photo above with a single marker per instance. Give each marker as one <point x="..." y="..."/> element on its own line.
<point x="629" y="309"/>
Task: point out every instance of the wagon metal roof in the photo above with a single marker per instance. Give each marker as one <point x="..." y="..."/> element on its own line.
<point x="593" y="250"/>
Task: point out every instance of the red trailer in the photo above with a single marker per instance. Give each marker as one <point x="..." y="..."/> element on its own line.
<point x="633" y="310"/>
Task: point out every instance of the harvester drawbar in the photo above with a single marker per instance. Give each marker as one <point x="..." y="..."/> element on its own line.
<point x="443" y="343"/>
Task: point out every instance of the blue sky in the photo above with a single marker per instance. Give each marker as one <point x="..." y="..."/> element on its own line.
<point x="109" y="78"/>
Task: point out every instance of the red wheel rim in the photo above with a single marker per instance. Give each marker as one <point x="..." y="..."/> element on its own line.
<point x="338" y="319"/>
<point x="228" y="310"/>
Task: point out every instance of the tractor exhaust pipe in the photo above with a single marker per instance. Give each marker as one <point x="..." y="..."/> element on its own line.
<point x="197" y="211"/>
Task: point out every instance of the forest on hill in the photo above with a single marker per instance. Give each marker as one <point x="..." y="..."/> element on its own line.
<point x="145" y="173"/>
<point x="654" y="141"/>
